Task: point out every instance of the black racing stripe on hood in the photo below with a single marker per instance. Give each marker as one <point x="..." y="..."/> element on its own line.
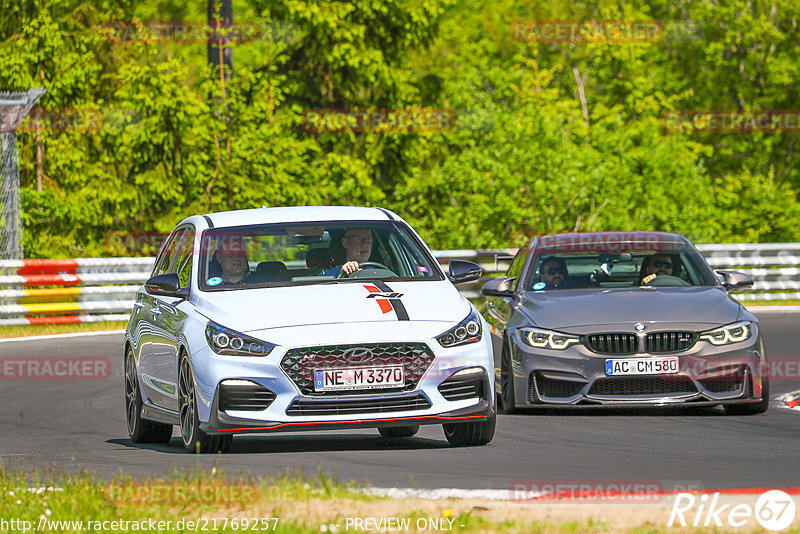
<point x="383" y="286"/>
<point x="402" y="314"/>
<point x="397" y="304"/>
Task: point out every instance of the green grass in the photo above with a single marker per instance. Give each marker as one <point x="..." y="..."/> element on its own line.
<point x="756" y="303"/>
<point x="301" y="505"/>
<point x="48" y="329"/>
<point x="30" y="496"/>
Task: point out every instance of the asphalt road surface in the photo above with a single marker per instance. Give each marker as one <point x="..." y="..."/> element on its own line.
<point x="71" y="424"/>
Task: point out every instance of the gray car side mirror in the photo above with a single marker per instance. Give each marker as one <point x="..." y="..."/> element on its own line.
<point x="734" y="280"/>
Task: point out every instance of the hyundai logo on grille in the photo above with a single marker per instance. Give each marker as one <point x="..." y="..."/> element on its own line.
<point x="358" y="355"/>
<point x="639" y="327"/>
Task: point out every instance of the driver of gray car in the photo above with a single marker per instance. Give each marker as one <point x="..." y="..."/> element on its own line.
<point x="654" y="266"/>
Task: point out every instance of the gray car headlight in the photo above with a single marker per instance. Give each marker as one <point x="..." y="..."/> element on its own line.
<point x="732" y="333"/>
<point x="467" y="331"/>
<point x="547" y="339"/>
<point x="232" y="343"/>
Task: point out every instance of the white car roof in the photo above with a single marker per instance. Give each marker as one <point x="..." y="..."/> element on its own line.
<point x="299" y="214"/>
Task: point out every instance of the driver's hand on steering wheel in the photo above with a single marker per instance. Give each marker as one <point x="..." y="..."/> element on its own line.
<point x="648" y="278"/>
<point x="350" y="267"/>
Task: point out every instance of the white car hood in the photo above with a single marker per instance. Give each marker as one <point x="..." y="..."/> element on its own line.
<point x="246" y="310"/>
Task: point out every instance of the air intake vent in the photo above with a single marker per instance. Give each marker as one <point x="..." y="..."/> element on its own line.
<point x="557" y="389"/>
<point x="726" y="383"/>
<point x="244" y="397"/>
<point x="645" y="385"/>
<point x="456" y="388"/>
<point x="361" y="406"/>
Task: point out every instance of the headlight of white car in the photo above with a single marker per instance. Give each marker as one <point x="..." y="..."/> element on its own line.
<point x="467" y="331"/>
<point x="547" y="339"/>
<point x="732" y="333"/>
<point x="232" y="343"/>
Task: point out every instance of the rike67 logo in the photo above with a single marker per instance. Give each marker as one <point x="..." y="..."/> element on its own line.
<point x="774" y="510"/>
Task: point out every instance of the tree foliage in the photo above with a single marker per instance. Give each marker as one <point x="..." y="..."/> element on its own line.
<point x="548" y="136"/>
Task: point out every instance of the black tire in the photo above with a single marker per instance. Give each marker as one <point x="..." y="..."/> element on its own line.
<point x="140" y="430"/>
<point x="398" y="431"/>
<point x="195" y="440"/>
<point x="507" y="391"/>
<point x="752" y="409"/>
<point x="470" y="434"/>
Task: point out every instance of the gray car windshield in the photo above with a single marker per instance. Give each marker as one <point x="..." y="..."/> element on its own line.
<point x="311" y="253"/>
<point x="674" y="266"/>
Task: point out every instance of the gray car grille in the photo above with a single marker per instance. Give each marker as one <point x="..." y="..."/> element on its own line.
<point x="358" y="406"/>
<point x="299" y="364"/>
<point x="663" y="342"/>
<point x="642" y="385"/>
<point x="613" y="343"/>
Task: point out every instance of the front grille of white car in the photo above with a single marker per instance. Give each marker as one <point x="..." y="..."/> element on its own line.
<point x="358" y="406"/>
<point x="299" y="364"/>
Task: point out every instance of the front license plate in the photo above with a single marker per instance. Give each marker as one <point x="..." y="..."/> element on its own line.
<point x="358" y="378"/>
<point x="642" y="366"/>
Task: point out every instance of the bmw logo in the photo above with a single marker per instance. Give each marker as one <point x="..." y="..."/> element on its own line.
<point x="639" y="327"/>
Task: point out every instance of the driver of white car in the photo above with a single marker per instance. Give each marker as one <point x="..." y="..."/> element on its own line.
<point x="357" y="243"/>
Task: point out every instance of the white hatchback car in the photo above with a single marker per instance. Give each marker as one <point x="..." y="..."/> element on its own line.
<point x="306" y="318"/>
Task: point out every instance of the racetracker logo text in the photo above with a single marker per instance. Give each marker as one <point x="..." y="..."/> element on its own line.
<point x="378" y="120"/>
<point x="731" y="121"/>
<point x="646" y="491"/>
<point x="587" y="31"/>
<point x="55" y="368"/>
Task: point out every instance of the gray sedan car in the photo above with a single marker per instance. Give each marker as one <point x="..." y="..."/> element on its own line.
<point x="623" y="319"/>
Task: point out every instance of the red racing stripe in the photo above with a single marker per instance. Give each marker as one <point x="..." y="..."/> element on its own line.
<point x="358" y="421"/>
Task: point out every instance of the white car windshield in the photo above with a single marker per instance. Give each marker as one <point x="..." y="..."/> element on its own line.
<point x="309" y="253"/>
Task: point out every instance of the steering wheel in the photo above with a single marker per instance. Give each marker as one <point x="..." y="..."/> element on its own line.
<point x="666" y="280"/>
<point x="373" y="264"/>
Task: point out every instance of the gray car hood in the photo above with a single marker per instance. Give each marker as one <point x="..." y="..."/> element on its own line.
<point x="565" y="309"/>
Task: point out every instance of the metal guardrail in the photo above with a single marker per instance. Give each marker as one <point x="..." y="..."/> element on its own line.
<point x="103" y="289"/>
